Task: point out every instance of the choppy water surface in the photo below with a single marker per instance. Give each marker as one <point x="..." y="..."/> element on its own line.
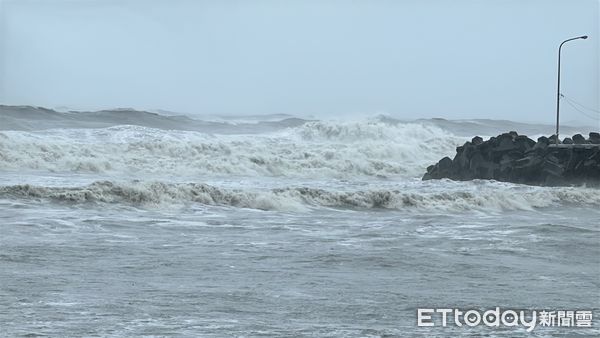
<point x="320" y="229"/>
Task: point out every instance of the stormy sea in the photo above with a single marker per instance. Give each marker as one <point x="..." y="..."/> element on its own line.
<point x="125" y="222"/>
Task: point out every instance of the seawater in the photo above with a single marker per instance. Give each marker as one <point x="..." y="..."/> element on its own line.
<point x="318" y="229"/>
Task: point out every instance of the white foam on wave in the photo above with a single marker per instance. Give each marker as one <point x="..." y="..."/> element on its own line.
<point x="315" y="149"/>
<point x="456" y="197"/>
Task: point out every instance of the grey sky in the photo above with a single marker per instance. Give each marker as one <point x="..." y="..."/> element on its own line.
<point x="452" y="59"/>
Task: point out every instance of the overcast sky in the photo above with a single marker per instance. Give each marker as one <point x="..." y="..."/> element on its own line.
<point x="419" y="58"/>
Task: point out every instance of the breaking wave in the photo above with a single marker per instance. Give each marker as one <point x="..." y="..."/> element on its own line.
<point x="488" y="197"/>
<point x="317" y="148"/>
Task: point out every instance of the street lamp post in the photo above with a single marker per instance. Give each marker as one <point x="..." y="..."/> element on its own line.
<point x="558" y="86"/>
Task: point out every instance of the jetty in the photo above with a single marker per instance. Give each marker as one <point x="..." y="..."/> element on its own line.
<point x="511" y="157"/>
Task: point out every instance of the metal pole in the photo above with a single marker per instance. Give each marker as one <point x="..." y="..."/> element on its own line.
<point x="558" y="84"/>
<point x="558" y="94"/>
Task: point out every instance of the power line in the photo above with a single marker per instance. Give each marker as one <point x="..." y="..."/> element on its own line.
<point x="579" y="104"/>
<point x="582" y="106"/>
<point x="595" y="118"/>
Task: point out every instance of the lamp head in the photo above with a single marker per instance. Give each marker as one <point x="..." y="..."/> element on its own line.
<point x="584" y="37"/>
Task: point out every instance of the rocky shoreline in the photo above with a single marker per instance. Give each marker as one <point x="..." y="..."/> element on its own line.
<point x="511" y="157"/>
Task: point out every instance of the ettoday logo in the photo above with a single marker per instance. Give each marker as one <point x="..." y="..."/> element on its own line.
<point x="508" y="318"/>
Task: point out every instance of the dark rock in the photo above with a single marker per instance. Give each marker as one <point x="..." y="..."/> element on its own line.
<point x="505" y="142"/>
<point x="543" y="139"/>
<point x="579" y="139"/>
<point x="445" y="164"/>
<point x="516" y="158"/>
<point x="524" y="143"/>
<point x="478" y="140"/>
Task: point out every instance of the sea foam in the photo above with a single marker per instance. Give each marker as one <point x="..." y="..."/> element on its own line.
<point x="454" y="197"/>
<point x="314" y="149"/>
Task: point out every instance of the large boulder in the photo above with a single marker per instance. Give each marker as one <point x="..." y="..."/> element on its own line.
<point x="579" y="139"/>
